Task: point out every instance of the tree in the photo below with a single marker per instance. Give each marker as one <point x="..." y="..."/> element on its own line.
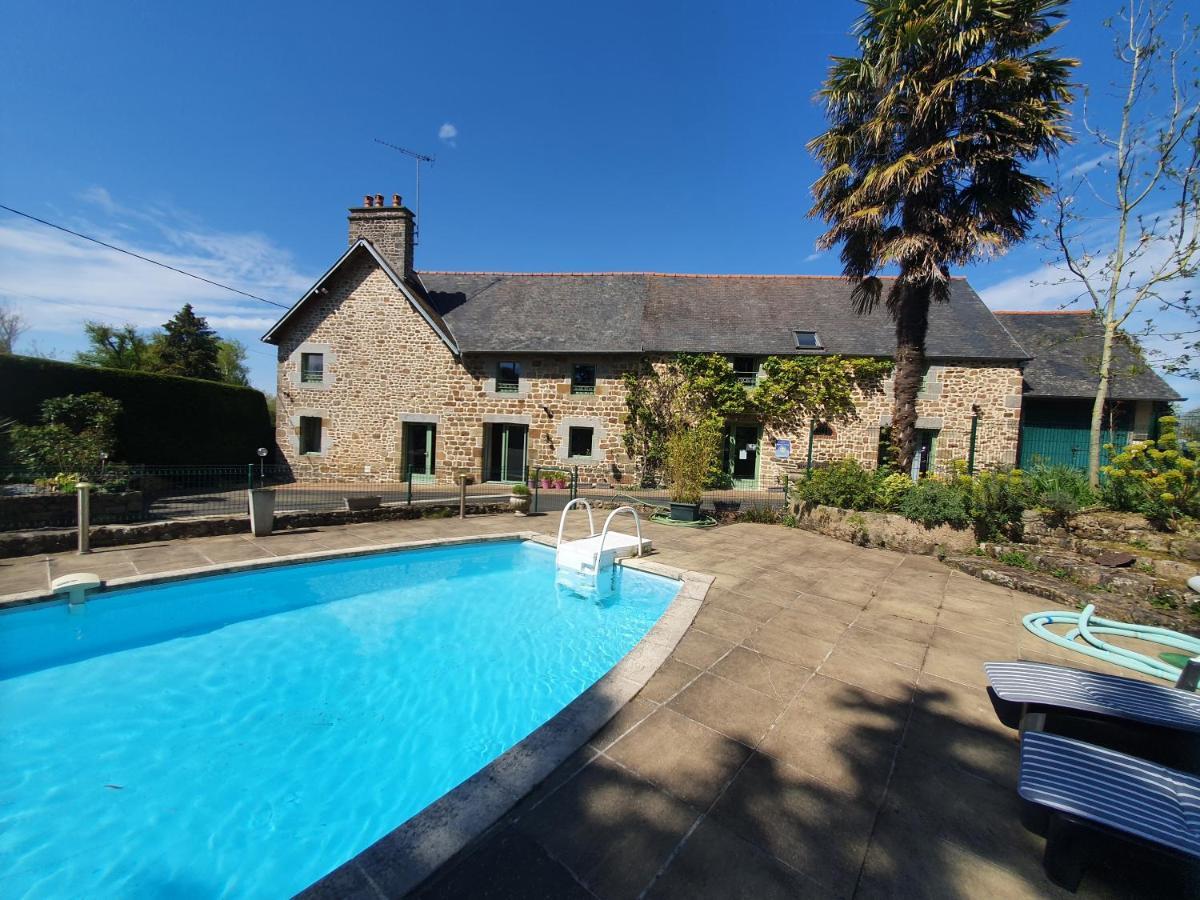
<point x="12" y="326"/>
<point x="1148" y="166"/>
<point x="113" y="347"/>
<point x="231" y="362"/>
<point x="930" y="126"/>
<point x="188" y="347"/>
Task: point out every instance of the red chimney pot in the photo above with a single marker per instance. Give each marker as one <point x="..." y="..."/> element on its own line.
<point x="379" y="200"/>
<point x="368" y="200"/>
<point x="395" y="199"/>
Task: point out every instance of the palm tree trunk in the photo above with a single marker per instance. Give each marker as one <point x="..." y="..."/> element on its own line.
<point x="912" y="324"/>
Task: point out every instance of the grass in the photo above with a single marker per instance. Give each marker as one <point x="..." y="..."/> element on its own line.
<point x="1017" y="559"/>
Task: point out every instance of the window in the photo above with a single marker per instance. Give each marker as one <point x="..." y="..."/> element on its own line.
<point x="508" y="378"/>
<point x="312" y="368"/>
<point x="579" y="442"/>
<point x="583" y="379"/>
<point x="807" y="340"/>
<point x="310" y="434"/>
<point x="823" y="430"/>
<point x="745" y="369"/>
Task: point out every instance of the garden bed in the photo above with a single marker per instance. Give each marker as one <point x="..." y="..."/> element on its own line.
<point x="883" y="530"/>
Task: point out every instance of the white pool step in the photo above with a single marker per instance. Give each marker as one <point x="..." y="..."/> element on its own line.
<point x="598" y="551"/>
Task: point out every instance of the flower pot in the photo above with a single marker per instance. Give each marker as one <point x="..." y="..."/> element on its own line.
<point x="685" y="512"/>
<point x="262" y="510"/>
<point x="519" y="503"/>
<point x="547" y="483"/>
<point x="560" y="483"/>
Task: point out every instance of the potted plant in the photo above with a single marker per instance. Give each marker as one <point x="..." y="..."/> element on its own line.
<point x="518" y="500"/>
<point x="560" y="481"/>
<point x="690" y="455"/>
<point x="547" y="481"/>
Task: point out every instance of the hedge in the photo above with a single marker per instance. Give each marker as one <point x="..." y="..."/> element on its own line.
<point x="165" y="420"/>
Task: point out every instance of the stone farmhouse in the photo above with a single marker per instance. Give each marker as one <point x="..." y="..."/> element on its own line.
<point x="387" y="371"/>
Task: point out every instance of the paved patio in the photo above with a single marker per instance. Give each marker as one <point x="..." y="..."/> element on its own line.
<point x="821" y="730"/>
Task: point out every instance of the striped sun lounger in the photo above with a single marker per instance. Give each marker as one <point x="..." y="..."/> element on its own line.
<point x="1076" y="793"/>
<point x="1027" y="687"/>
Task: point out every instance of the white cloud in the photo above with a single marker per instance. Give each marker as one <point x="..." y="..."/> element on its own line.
<point x="448" y="134"/>
<point x="813" y="257"/>
<point x="59" y="281"/>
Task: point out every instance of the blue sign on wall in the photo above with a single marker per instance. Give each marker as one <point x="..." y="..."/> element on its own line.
<point x="783" y="449"/>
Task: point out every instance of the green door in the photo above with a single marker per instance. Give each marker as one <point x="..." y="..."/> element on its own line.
<point x="741" y="455"/>
<point x="1064" y="445"/>
<point x="506" y="447"/>
<point x="420" y="439"/>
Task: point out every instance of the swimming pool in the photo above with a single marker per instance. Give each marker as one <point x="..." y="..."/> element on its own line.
<point x="244" y="734"/>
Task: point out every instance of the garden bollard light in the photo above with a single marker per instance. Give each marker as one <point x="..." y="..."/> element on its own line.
<point x="83" y="495"/>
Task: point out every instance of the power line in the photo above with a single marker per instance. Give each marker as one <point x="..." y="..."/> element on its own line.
<point x="155" y="262"/>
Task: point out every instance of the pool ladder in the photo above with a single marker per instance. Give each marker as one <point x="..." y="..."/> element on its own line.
<point x="597" y="551"/>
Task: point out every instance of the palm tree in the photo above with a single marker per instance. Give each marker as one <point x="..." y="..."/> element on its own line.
<point x="929" y="127"/>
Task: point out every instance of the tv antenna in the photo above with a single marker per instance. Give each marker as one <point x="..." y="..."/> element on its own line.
<point x="418" y="158"/>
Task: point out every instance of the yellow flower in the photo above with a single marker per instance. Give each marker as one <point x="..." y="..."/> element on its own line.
<point x="1167" y="497"/>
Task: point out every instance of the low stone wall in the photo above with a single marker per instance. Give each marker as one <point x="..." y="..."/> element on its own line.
<point x="28" y="543"/>
<point x="1087" y="531"/>
<point x="48" y="510"/>
<point x="885" y="530"/>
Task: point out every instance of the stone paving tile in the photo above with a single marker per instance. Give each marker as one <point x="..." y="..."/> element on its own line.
<point x="809" y="623"/>
<point x="813" y="826"/>
<point x="612" y="830"/>
<point x="106" y="565"/>
<point x="701" y="650"/>
<point x="894" y="626"/>
<point x="797" y="649"/>
<point x="626" y="718"/>
<point x="749" y="607"/>
<point x="728" y="707"/>
<point x="918" y="610"/>
<point x="871" y="672"/>
<point x="717" y="863"/>
<point x="765" y="674"/>
<point x="871" y="643"/>
<point x="839" y="610"/>
<point x="23" y="575"/>
<point x="723" y="624"/>
<point x="681" y="756"/>
<point x="508" y="866"/>
<point x="981" y="626"/>
<point x="843" y="735"/>
<point x="668" y="681"/>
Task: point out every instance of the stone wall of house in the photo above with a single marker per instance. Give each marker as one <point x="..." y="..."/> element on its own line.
<point x="385" y="365"/>
<point x="951" y="394"/>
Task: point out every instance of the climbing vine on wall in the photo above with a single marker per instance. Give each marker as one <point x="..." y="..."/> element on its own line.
<point x="688" y="389"/>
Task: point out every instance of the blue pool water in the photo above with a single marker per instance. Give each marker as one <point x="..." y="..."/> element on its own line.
<point x="242" y="735"/>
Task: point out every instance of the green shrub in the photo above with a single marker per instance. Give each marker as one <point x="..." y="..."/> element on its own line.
<point x="165" y="420"/>
<point x="1159" y="479"/>
<point x="521" y="490"/>
<point x="995" y="501"/>
<point x="1060" y="490"/>
<point x="891" y="489"/>
<point x="690" y="458"/>
<point x="75" y="431"/>
<point x="763" y="515"/>
<point x="932" y="502"/>
<point x="845" y="484"/>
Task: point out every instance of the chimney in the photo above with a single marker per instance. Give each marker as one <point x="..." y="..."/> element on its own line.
<point x="389" y="229"/>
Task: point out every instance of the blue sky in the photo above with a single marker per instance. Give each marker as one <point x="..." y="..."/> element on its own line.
<point x="229" y="138"/>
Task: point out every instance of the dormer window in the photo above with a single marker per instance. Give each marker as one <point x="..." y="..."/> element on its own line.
<point x="583" y="379"/>
<point x="312" y="368"/>
<point x="807" y="340"/>
<point x="745" y="369"/>
<point x="508" y="378"/>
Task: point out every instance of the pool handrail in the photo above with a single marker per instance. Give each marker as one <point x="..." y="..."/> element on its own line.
<point x="637" y="523"/>
<point x="562" y="521"/>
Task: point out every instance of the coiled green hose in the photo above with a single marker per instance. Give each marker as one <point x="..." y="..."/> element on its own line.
<point x="1088" y="628"/>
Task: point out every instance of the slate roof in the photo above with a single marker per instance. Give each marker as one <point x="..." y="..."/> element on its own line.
<point x="492" y="312"/>
<point x="1066" y="358"/>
